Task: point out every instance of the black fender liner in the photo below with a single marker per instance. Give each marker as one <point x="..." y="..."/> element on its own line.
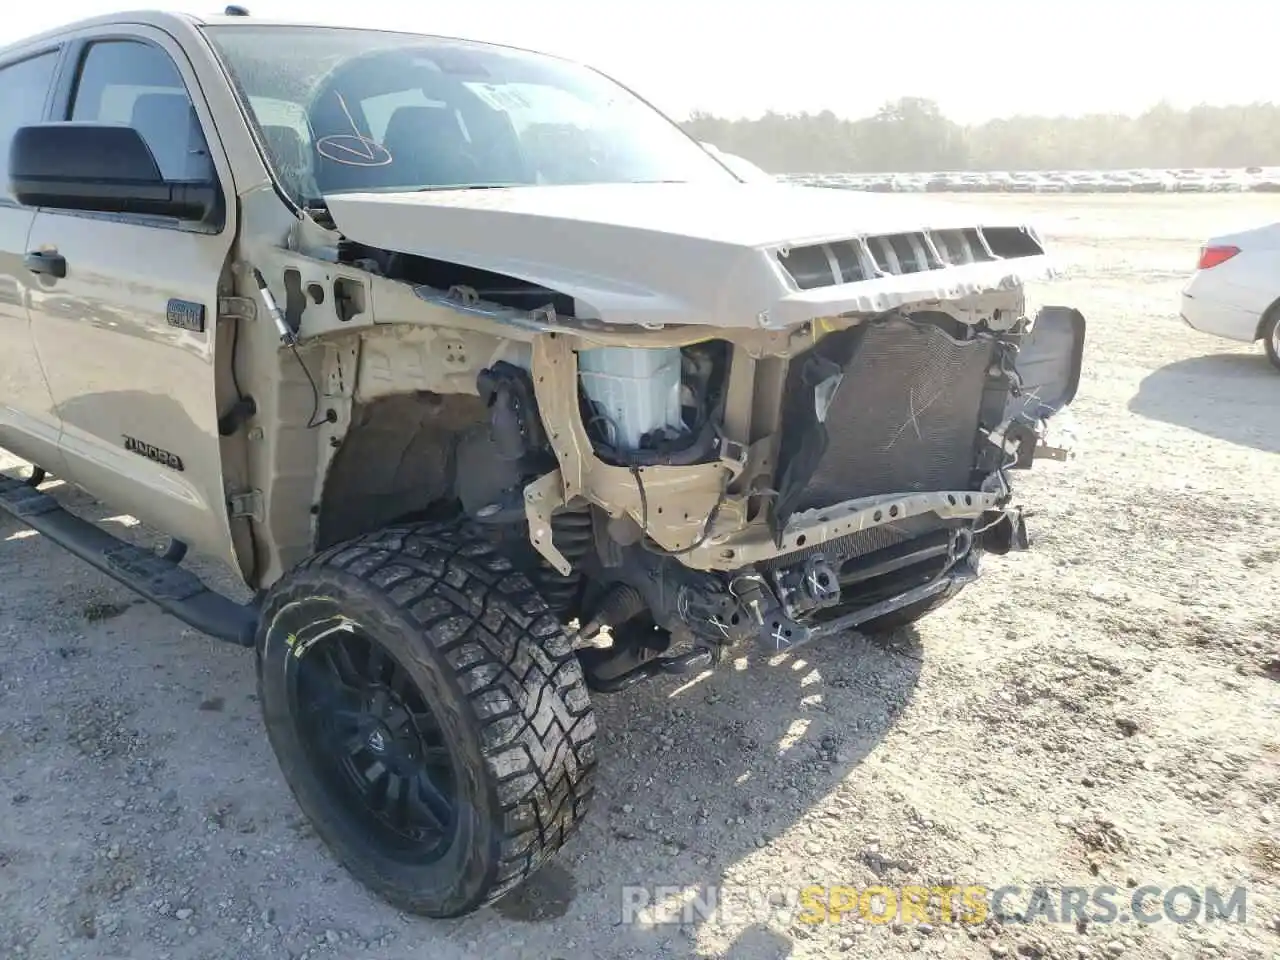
<point x="1048" y="363"/>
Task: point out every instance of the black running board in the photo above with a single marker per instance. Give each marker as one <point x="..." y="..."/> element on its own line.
<point x="157" y="578"/>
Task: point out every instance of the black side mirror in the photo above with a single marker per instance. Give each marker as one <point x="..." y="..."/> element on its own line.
<point x="101" y="168"/>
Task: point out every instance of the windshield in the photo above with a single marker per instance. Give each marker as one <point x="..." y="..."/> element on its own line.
<point x="346" y="111"/>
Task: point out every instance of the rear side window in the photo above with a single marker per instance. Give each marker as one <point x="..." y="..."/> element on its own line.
<point x="24" y="87"/>
<point x="135" y="83"/>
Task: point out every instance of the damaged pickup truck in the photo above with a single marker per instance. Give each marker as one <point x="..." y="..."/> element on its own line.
<point x="497" y="390"/>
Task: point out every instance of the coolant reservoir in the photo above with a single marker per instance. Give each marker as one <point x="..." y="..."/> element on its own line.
<point x="634" y="391"/>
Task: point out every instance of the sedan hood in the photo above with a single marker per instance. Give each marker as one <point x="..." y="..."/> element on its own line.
<point x="729" y="255"/>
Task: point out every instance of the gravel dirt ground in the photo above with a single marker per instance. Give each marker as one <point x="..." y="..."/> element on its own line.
<point x="1102" y="710"/>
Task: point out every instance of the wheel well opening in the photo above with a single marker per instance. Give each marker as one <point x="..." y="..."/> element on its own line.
<point x="1268" y="315"/>
<point x="397" y="462"/>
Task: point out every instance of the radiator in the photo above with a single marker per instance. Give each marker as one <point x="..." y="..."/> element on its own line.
<point x="904" y="417"/>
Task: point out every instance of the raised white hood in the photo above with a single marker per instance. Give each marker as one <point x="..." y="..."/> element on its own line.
<point x="674" y="253"/>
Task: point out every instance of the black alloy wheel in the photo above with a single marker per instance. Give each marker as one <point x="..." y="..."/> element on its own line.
<point x="428" y="713"/>
<point x="370" y="725"/>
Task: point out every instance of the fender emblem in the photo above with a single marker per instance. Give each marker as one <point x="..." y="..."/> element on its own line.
<point x="185" y="315"/>
<point x="153" y="453"/>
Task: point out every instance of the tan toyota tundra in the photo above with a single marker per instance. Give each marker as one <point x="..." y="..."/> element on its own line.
<point x="496" y="389"/>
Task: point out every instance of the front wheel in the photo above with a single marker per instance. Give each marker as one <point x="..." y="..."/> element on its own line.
<point x="428" y="714"/>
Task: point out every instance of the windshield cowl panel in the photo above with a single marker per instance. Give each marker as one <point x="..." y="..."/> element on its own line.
<point x="360" y="111"/>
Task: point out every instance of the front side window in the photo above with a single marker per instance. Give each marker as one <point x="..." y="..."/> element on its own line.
<point x="135" y="83"/>
<point x="361" y="110"/>
<point x="24" y="87"/>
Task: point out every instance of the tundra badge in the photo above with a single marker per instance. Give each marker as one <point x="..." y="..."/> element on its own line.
<point x="153" y="453"/>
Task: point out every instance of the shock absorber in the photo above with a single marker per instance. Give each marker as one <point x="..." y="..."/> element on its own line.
<point x="574" y="537"/>
<point x="619" y="605"/>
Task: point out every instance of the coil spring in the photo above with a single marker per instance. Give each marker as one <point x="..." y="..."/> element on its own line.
<point x="572" y="533"/>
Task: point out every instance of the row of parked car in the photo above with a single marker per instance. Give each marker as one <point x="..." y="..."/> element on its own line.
<point x="1095" y="181"/>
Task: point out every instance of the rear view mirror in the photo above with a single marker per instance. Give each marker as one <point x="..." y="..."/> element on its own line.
<point x="100" y="168"/>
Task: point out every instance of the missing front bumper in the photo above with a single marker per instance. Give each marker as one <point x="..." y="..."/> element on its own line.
<point x="780" y="633"/>
<point x="965" y="571"/>
<point x="884" y="582"/>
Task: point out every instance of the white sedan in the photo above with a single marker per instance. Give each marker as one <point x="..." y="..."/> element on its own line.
<point x="1235" y="291"/>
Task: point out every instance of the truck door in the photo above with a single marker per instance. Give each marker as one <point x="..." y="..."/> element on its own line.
<point x="125" y="321"/>
<point x="29" y="426"/>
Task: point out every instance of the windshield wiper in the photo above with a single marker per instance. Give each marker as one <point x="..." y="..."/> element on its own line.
<point x="470" y="186"/>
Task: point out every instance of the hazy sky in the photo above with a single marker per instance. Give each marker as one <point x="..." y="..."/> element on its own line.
<point x="978" y="59"/>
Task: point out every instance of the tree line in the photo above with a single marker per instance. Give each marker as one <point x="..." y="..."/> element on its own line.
<point x="912" y="135"/>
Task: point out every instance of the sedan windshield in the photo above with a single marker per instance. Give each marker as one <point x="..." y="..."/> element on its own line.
<point x="345" y="111"/>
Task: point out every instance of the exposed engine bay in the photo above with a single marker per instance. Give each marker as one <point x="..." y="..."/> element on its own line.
<point x="861" y="471"/>
<point x="877" y="489"/>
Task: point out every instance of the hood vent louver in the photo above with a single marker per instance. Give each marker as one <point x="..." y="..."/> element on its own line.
<point x="865" y="258"/>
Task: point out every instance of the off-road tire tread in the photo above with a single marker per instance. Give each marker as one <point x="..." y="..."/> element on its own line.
<point x="513" y="663"/>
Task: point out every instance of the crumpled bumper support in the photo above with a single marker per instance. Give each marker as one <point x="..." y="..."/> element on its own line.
<point x="780" y="633"/>
<point x="1004" y="532"/>
<point x="963" y="572"/>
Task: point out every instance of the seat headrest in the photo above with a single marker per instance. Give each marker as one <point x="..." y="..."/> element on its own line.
<point x="168" y="123"/>
<point x="155" y="110"/>
<point x="284" y="143"/>
<point x="427" y="146"/>
<point x="418" y="126"/>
